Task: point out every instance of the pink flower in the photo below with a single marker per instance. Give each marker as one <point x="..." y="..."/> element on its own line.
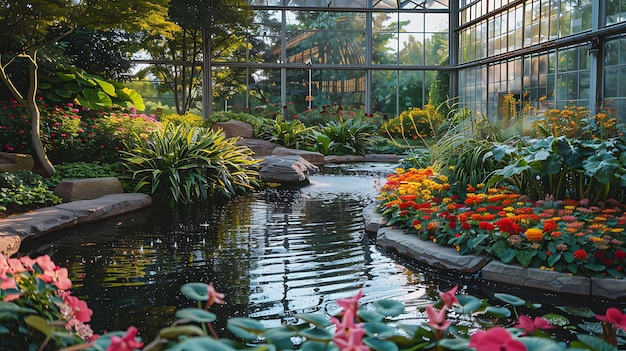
<point x="496" y="338"/>
<point x="351" y="303"/>
<point x="615" y="316"/>
<point x="214" y="296"/>
<point x="437" y="319"/>
<point x="449" y="297"/>
<point x="79" y="307"/>
<point x="350" y="339"/>
<point x="126" y="342"/>
<point x="531" y="326"/>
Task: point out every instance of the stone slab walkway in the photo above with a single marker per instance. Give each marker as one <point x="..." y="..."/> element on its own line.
<point x="431" y="254"/>
<point x="15" y="229"/>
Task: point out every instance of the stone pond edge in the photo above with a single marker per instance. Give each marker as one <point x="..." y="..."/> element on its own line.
<point x="33" y="224"/>
<point x="447" y="258"/>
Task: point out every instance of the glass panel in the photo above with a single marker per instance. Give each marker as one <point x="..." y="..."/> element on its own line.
<point x="436" y="48"/>
<point x="412" y="92"/>
<point x="385" y="92"/>
<point x="411" y="49"/>
<point x="338" y="38"/>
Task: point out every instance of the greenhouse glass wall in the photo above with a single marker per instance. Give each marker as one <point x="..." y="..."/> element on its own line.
<point x="383" y="55"/>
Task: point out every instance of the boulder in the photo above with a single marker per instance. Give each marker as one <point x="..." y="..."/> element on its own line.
<point x="260" y="147"/>
<point x="87" y="189"/>
<point x="10" y="162"/>
<point x="234" y="128"/>
<point x="285" y="169"/>
<point x="314" y="157"/>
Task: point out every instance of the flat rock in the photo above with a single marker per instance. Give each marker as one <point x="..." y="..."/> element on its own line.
<point x="15" y="229"/>
<point x="260" y="147"/>
<point x="12" y="162"/>
<point x="429" y="253"/>
<point x="285" y="169"/>
<point x="106" y="206"/>
<point x="536" y="278"/>
<point x="87" y="189"/>
<point x="234" y="128"/>
<point x="344" y="158"/>
<point x="608" y="287"/>
<point x="313" y="157"/>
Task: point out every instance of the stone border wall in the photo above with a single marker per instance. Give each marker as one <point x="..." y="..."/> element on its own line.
<point x="447" y="258"/>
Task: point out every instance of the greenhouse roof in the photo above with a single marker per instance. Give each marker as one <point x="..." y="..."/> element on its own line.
<point x="380" y="4"/>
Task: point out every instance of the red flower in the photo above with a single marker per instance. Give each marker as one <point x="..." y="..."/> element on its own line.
<point x="486" y="226"/>
<point x="550" y="226"/>
<point x="531" y="326"/>
<point x="126" y="342"/>
<point x="495" y="339"/>
<point x="620" y="254"/>
<point x="615" y="316"/>
<point x="449" y="297"/>
<point x="437" y="319"/>
<point x="580" y="255"/>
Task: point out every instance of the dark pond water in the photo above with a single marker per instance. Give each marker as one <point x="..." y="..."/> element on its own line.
<point x="274" y="253"/>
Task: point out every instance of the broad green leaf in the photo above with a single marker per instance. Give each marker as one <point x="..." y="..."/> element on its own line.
<point x="541" y="344"/>
<point x="389" y="308"/>
<point x="556" y="319"/>
<point x="318" y="346"/>
<point x="280" y="337"/>
<point x="510" y="299"/>
<point x="315" y="319"/>
<point x="370" y="316"/>
<point x="65" y="76"/>
<point x="380" y="345"/>
<point x="245" y="328"/>
<point x="203" y="343"/>
<point x="595" y="343"/>
<point x="180" y="330"/>
<point x="196" y="291"/>
<point x="39" y="324"/>
<point x="499" y="312"/>
<point x="196" y="315"/>
<point x="318" y="334"/>
<point x="379" y="330"/>
<point x="107" y="87"/>
<point x="468" y="303"/>
<point x="454" y="344"/>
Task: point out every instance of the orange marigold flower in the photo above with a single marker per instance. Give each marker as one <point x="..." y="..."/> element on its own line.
<point x="534" y="234"/>
<point x="550" y="226"/>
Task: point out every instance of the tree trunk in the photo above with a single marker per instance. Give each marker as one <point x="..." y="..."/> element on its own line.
<point x="42" y="166"/>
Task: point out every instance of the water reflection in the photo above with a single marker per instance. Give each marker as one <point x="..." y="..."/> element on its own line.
<point x="274" y="253"/>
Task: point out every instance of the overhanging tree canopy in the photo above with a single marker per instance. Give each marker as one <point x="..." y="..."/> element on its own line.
<point x="28" y="26"/>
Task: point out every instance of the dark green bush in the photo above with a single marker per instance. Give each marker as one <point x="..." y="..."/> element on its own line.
<point x="182" y="164"/>
<point x="24" y="190"/>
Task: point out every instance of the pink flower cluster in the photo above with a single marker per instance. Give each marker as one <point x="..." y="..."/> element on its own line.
<point x="14" y="269"/>
<point x="349" y="335"/>
<point x="17" y="273"/>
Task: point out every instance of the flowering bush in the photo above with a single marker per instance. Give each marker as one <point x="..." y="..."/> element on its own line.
<point x="71" y="133"/>
<point x="567" y="236"/>
<point x="37" y="311"/>
<point x="413" y="124"/>
<point x="35" y="300"/>
<point x="576" y="123"/>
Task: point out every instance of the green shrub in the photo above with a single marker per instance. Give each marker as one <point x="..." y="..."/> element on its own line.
<point x="189" y="118"/>
<point x="347" y="137"/>
<point x="291" y="134"/>
<point x="80" y="170"/>
<point x="24" y="190"/>
<point x="182" y="164"/>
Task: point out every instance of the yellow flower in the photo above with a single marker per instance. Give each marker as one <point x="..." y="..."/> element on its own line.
<point x="534" y="234"/>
